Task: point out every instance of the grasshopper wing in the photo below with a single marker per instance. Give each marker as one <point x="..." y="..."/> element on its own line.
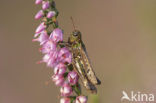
<point x="88" y="67"/>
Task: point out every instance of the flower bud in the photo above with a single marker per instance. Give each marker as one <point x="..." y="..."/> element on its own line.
<point x="40" y="28"/>
<point x="42" y="38"/>
<point x="65" y="100"/>
<point x="73" y="77"/>
<point x="38" y="2"/>
<point x="53" y="61"/>
<point x="66" y="90"/>
<point x="45" y="59"/>
<point x="58" y="79"/>
<point x="39" y="15"/>
<point x="60" y="69"/>
<point x="45" y="5"/>
<point x="51" y="14"/>
<point x="56" y="35"/>
<point x="48" y="46"/>
<point x="64" y="55"/>
<point x="81" y="99"/>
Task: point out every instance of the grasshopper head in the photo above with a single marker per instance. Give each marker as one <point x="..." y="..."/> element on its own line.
<point x="75" y="36"/>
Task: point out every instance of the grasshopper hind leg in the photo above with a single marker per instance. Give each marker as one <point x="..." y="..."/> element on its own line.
<point x="87" y="84"/>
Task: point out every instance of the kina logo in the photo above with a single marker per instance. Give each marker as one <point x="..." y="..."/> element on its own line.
<point x="137" y="96"/>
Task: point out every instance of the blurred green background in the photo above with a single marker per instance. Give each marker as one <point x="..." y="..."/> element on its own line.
<point x="120" y="37"/>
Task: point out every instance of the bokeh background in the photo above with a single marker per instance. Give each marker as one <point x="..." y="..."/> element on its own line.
<point x="120" y="37"/>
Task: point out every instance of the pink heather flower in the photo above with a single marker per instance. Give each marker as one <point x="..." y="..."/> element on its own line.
<point x="65" y="100"/>
<point x="65" y="55"/>
<point x="45" y="5"/>
<point x="51" y="14"/>
<point x="66" y="83"/>
<point x="58" y="79"/>
<point x="42" y="38"/>
<point x="50" y="58"/>
<point x="66" y="90"/>
<point x="81" y="99"/>
<point x="53" y="60"/>
<point x="40" y="28"/>
<point x="38" y="2"/>
<point x="36" y="35"/>
<point x="60" y="69"/>
<point x="48" y="47"/>
<point x="73" y="77"/>
<point x="45" y="59"/>
<point x="56" y="35"/>
<point x="39" y="14"/>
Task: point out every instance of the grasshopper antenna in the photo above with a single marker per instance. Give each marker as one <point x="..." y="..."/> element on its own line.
<point x="72" y="22"/>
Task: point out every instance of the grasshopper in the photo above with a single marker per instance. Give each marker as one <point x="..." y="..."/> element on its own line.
<point x="81" y="61"/>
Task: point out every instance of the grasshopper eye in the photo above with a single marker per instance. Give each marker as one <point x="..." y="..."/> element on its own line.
<point x="75" y="33"/>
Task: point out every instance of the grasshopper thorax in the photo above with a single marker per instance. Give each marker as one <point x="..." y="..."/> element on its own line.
<point x="75" y="37"/>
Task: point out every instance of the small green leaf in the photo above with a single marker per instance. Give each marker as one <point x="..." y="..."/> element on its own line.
<point x="65" y="74"/>
<point x="70" y="67"/>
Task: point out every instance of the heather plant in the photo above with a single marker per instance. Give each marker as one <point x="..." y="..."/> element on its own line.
<point x="57" y="56"/>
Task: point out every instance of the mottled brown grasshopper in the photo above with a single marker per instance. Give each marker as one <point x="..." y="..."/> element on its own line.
<point x="81" y="61"/>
